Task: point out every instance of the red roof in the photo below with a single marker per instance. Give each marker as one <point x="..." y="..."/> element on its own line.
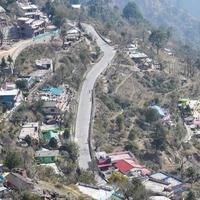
<point x="123" y="166"/>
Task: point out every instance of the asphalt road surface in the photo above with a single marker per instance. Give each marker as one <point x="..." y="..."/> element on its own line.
<point x="85" y="104"/>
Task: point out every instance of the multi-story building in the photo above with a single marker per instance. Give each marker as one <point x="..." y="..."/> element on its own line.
<point x="31" y="21"/>
<point x="28" y="27"/>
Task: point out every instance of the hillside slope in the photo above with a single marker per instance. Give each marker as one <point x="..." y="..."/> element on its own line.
<point x="170" y="13"/>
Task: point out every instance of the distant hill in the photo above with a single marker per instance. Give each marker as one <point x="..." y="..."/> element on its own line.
<point x="181" y="15"/>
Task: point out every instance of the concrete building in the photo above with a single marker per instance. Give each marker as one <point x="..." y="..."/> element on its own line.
<point x="8" y="97"/>
<point x="44" y="63"/>
<point x="51" y="108"/>
<point x="30" y="129"/>
<point x="73" y="35"/>
<point x="31" y="21"/>
<point x="28" y="28"/>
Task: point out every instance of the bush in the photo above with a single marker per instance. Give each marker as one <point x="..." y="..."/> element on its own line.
<point x="53" y="143"/>
<point x="12" y="160"/>
<point x="132" y="147"/>
<point x="151" y="115"/>
<point x="29" y="196"/>
<point x="132" y="134"/>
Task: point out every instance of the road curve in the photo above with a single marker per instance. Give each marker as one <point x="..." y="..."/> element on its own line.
<point x="85" y="104"/>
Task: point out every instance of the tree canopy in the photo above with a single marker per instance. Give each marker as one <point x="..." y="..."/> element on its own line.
<point x="132" y="13"/>
<point x="159" y="38"/>
<point x="12" y="160"/>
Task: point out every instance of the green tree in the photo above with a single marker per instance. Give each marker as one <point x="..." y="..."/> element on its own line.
<point x="192" y="175"/>
<point x="1" y="38"/>
<point x="28" y="140"/>
<point x="53" y="143"/>
<point x="151" y="115"/>
<point x="49" y="9"/>
<point x="159" y="140"/>
<point x="132" y="134"/>
<point x="29" y="196"/>
<point x="63" y="33"/>
<point x="66" y="134"/>
<point x="22" y="84"/>
<point x="131" y="189"/>
<point x="3" y="63"/>
<point x="12" y="160"/>
<point x="190" y="196"/>
<point x="158" y="39"/>
<point x="86" y="176"/>
<point x="132" y="12"/>
<point x="16" y="118"/>
<point x="9" y="60"/>
<point x="132" y="146"/>
<point x="72" y="149"/>
<point x="58" y="21"/>
<point x="120" y="122"/>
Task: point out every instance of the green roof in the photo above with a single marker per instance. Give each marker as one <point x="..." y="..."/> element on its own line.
<point x="50" y="134"/>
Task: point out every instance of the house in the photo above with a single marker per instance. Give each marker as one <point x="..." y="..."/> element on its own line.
<point x="50" y="134"/>
<point x="29" y="81"/>
<point x="46" y="156"/>
<point x="28" y="27"/>
<point x="54" y="91"/>
<point x="28" y="9"/>
<point x="44" y="63"/>
<point x="76" y="6"/>
<point x="164" y="184"/>
<point x="123" y="162"/>
<point x="73" y="35"/>
<point x="19" y="182"/>
<point x="50" y="108"/>
<point x="8" y="97"/>
<point x="98" y="193"/>
<point x="30" y="129"/>
<point x="138" y="56"/>
<point x="131" y="168"/>
<point x="4" y="192"/>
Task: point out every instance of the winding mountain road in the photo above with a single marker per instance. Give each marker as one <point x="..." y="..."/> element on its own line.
<point x="85" y="103"/>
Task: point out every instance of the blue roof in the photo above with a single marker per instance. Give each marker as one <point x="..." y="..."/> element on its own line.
<point x="54" y="91"/>
<point x="158" y="109"/>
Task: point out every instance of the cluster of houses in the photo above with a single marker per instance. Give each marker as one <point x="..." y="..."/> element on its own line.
<point x="31" y="21"/>
<point x="190" y="110"/>
<point x="159" y="183"/>
<point x="140" y="58"/>
<point x="11" y="96"/>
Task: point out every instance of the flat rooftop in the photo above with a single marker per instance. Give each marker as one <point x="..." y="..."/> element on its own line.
<point x="29" y="129"/>
<point x="46" y="153"/>
<point x="28" y="7"/>
<point x="95" y="193"/>
<point x="13" y="92"/>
